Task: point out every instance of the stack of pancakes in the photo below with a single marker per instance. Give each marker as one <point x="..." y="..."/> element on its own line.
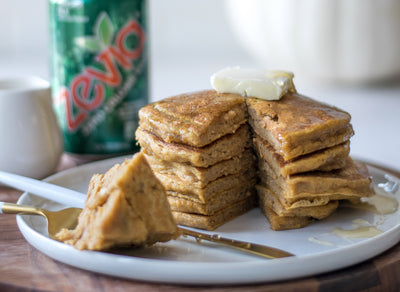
<point x="303" y="160"/>
<point x="199" y="147"/>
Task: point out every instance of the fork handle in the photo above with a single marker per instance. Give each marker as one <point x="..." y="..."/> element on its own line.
<point x="43" y="189"/>
<point x="10" y="208"/>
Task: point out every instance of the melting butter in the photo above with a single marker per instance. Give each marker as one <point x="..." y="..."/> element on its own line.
<point x="264" y="84"/>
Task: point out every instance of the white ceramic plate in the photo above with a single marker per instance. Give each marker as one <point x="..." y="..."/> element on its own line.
<point x="186" y="261"/>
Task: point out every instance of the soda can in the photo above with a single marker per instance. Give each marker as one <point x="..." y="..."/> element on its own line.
<point x="99" y="73"/>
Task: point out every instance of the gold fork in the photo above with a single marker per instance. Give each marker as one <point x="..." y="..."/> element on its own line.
<point x="253" y="248"/>
<point x="68" y="218"/>
<point x="56" y="220"/>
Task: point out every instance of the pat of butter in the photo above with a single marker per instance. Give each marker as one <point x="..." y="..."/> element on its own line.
<point x="269" y="85"/>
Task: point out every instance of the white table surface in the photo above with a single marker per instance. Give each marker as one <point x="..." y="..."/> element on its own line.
<point x="375" y="109"/>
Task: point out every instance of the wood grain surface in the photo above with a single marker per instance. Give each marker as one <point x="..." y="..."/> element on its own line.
<point x="23" y="268"/>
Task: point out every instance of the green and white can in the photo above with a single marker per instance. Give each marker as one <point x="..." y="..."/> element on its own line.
<point x="99" y="72"/>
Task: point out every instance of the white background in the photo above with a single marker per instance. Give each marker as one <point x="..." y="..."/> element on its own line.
<point x="191" y="39"/>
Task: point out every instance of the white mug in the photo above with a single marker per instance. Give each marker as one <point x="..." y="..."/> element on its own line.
<point x="30" y="139"/>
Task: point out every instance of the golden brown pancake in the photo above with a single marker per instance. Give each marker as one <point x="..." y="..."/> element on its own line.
<point x="350" y="182"/>
<point x="285" y="222"/>
<point x="202" y="194"/>
<point x="194" y="119"/>
<point x="268" y="199"/>
<point x="201" y="176"/>
<point x="297" y="125"/>
<point x="323" y="160"/>
<point x="224" y="148"/>
<point x="214" y="204"/>
<point x="211" y="222"/>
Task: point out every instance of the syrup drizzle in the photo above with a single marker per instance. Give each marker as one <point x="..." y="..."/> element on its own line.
<point x="382" y="203"/>
<point x="362" y="230"/>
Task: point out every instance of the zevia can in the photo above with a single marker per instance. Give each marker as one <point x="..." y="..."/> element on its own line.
<point x="99" y="72"/>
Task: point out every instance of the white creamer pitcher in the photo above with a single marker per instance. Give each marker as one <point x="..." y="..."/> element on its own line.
<point x="30" y="139"/>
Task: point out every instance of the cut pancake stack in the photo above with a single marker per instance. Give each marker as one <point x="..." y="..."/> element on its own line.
<point x="303" y="160"/>
<point x="199" y="147"/>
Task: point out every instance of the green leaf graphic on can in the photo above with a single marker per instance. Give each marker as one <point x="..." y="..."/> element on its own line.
<point x="103" y="30"/>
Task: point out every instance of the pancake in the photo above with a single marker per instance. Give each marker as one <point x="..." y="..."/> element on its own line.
<point x="350" y="182"/>
<point x="224" y="148"/>
<point x="202" y="194"/>
<point x="125" y="206"/>
<point x="297" y="125"/>
<point x="285" y="222"/>
<point x="201" y="176"/>
<point x="214" y="204"/>
<point x="194" y="119"/>
<point x="323" y="160"/>
<point x="211" y="222"/>
<point x="268" y="199"/>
